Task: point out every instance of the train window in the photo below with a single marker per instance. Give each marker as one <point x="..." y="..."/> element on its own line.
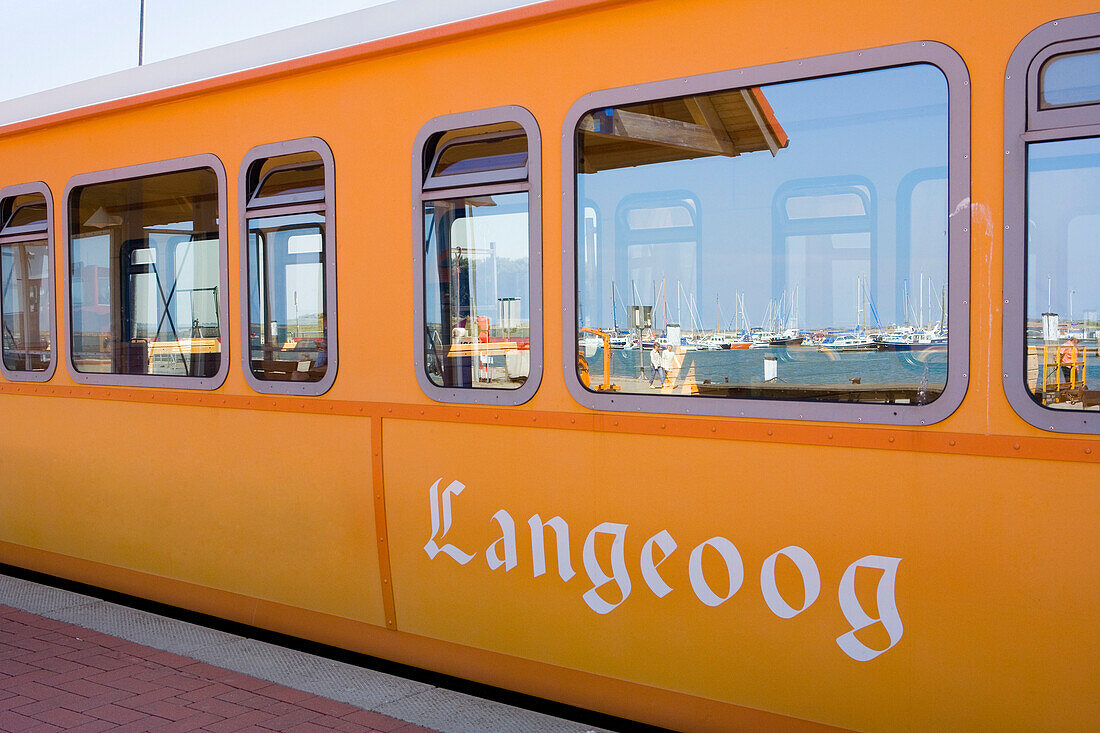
<point x="147" y="287"/>
<point x="761" y="263"/>
<point x="1052" y="222"/>
<point x="26" y="283"/>
<point x="289" y="318"/>
<point x="1070" y="78"/>
<point x="478" y="257"/>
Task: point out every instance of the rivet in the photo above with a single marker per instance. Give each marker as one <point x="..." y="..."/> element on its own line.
<point x="1088" y="450"/>
<point x="891" y="439"/>
<point x="572" y="419"/>
<point x="713" y="429"/>
<point x="1016" y="446"/>
<point x="951" y="442"/>
<point x="385" y="580"/>
<point x="769" y="431"/>
<point x="615" y="423"/>
<point x="421" y="412"/>
<point x="662" y="426"/>
<point x="830" y="436"/>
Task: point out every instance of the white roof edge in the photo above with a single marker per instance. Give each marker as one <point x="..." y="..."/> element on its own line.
<point x="342" y="31"/>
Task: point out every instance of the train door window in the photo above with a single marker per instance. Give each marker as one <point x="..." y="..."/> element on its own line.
<point x="288" y="320"/>
<point x="27" y="334"/>
<point x="757" y="262"/>
<point x="1052" y="224"/>
<point x="477" y="257"/>
<point x="147" y="286"/>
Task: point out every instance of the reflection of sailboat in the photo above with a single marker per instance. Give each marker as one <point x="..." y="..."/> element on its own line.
<point x="787" y="334"/>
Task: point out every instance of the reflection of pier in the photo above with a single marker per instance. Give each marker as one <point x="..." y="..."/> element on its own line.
<point x="890" y="393"/>
<point x="1044" y="374"/>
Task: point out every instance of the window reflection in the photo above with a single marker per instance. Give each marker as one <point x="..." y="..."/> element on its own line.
<point x="25" y="308"/>
<point x="1063" y="271"/>
<point x="1072" y="78"/>
<point x="288" y="329"/>
<point x="145" y="275"/>
<point x="784" y="242"/>
<point x="477" y="307"/>
<point x="288" y="254"/>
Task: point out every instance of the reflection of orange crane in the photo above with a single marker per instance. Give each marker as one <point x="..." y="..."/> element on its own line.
<point x="582" y="363"/>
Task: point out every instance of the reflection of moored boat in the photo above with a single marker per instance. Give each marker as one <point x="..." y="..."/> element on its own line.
<point x="790" y="337"/>
<point x="621" y="341"/>
<point x="849" y="342"/>
<point x="915" y="341"/>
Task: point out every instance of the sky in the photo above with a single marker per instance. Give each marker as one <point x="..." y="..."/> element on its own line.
<point x="56" y="42"/>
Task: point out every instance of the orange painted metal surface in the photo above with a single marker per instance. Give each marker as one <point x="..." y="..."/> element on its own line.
<point x="311" y="516"/>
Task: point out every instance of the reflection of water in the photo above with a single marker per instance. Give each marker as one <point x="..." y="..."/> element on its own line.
<point x="796" y="366"/>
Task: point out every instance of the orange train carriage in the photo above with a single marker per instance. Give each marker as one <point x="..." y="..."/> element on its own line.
<point x="878" y="519"/>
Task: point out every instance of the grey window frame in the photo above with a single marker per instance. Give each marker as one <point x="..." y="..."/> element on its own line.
<point x="144" y="170"/>
<point x="294" y="203"/>
<point x="25" y="234"/>
<point x="1027" y="122"/>
<point x="506" y="180"/>
<point x="943" y="57"/>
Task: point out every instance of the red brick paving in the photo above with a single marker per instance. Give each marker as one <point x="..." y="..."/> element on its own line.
<point x="56" y="676"/>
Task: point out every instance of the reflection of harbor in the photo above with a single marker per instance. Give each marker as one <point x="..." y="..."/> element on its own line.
<point x="804" y="372"/>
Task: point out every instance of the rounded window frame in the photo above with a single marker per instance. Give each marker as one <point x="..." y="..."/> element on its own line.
<point x="39" y="187"/>
<point x="144" y="170"/>
<point x="957" y="76"/>
<point x="1027" y="121"/>
<point x="290" y="203"/>
<point x="507" y="182"/>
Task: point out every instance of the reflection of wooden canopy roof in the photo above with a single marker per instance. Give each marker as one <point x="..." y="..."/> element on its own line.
<point x="722" y="123"/>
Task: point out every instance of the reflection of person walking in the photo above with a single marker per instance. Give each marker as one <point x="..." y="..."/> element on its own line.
<point x="668" y="363"/>
<point x="1067" y="357"/>
<point x="655" y="362"/>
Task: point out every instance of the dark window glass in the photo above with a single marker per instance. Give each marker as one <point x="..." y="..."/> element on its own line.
<point x="1063" y="270"/>
<point x="25" y="308"/>
<point x="145" y="265"/>
<point x="26" y="212"/>
<point x="782" y="242"/>
<point x="288" y="330"/>
<point x="476" y="288"/>
<point x="499" y="153"/>
<point x="1072" y="78"/>
<point x="303" y="173"/>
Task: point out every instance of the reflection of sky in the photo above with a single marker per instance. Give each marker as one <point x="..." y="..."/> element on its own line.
<point x="1072" y="79"/>
<point x="494" y="240"/>
<point x="869" y="137"/>
<point x="295" y="260"/>
<point x="1063" y="214"/>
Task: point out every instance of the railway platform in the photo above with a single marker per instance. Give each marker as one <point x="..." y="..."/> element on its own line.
<point x="74" y="662"/>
